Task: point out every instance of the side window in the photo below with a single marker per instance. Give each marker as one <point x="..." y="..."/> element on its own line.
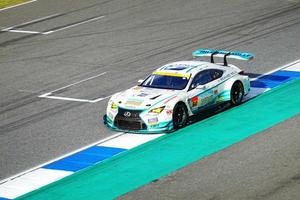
<point x="216" y="73"/>
<point x="202" y="78"/>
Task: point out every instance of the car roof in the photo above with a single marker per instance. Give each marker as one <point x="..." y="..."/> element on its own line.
<point x="188" y="67"/>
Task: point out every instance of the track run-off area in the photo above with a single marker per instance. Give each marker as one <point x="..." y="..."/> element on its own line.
<point x="60" y="61"/>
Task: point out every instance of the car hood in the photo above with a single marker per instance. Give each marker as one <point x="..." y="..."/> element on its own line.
<point x="141" y="98"/>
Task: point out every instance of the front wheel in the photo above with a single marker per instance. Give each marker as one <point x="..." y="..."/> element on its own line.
<point x="180" y="116"/>
<point x="237" y="93"/>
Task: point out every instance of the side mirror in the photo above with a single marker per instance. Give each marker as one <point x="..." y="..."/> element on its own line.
<point x="201" y="87"/>
<point x="140" y="81"/>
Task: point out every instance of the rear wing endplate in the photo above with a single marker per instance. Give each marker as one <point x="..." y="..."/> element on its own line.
<point x="223" y="54"/>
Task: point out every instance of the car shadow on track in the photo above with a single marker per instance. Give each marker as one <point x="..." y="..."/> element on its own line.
<point x="208" y="113"/>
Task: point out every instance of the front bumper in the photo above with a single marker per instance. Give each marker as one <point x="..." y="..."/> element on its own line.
<point x="165" y="127"/>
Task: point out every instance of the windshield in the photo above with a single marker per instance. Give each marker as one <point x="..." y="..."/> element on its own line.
<point x="166" y="82"/>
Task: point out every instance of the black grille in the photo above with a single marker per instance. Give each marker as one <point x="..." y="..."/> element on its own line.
<point x="133" y="114"/>
<point x="129" y="120"/>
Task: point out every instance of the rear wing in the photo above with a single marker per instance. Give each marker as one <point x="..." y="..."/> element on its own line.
<point x="223" y="54"/>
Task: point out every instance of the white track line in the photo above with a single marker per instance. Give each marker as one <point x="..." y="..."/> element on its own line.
<point x="129" y="140"/>
<point x="11" y="29"/>
<point x="32" y="21"/>
<point x="68" y="99"/>
<point x="100" y="99"/>
<point x="295" y="67"/>
<point x="73" y="25"/>
<point x="49" y="96"/>
<point x="63" y="156"/>
<point x="45" y="95"/>
<point x="21" y="31"/>
<point x="17" y="5"/>
<point x="31" y="181"/>
<point x="72" y="84"/>
<point x="277" y="69"/>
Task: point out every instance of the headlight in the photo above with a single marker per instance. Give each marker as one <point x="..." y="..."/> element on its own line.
<point x="113" y="105"/>
<point x="157" y="110"/>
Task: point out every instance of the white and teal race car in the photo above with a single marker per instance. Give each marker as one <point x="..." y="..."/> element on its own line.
<point x="165" y="100"/>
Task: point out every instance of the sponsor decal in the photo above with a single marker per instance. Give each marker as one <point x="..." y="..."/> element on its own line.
<point x="127" y="114"/>
<point x="153" y="120"/>
<point x="110" y="115"/>
<point x="150" y="115"/>
<point x="133" y="103"/>
<point x="206" y="100"/>
<point x="113" y="111"/>
<point x="169" y="112"/>
<point x="195" y="101"/>
<point x="137" y="88"/>
<point x="142" y="95"/>
<point x="114" y="106"/>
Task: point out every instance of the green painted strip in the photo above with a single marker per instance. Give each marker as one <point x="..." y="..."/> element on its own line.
<point x="7" y="3"/>
<point x="166" y="154"/>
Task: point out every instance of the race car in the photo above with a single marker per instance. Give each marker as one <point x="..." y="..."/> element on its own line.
<point x="165" y="100"/>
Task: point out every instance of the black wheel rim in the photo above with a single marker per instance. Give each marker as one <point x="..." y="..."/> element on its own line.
<point x="180" y="116"/>
<point x="237" y="93"/>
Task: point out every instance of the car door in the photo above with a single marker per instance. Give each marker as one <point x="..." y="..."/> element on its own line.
<point x="203" y="89"/>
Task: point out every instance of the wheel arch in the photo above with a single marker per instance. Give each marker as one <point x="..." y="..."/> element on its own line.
<point x="190" y="113"/>
<point x="243" y="94"/>
<point x="181" y="102"/>
<point x="187" y="113"/>
<point x="229" y="83"/>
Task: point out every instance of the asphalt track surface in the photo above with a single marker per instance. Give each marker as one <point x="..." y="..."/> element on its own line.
<point x="127" y="40"/>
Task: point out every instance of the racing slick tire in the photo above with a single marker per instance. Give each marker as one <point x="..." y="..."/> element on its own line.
<point x="236" y="93"/>
<point x="180" y="116"/>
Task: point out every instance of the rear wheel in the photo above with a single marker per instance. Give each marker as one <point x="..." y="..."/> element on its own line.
<point x="180" y="116"/>
<point x="237" y="93"/>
